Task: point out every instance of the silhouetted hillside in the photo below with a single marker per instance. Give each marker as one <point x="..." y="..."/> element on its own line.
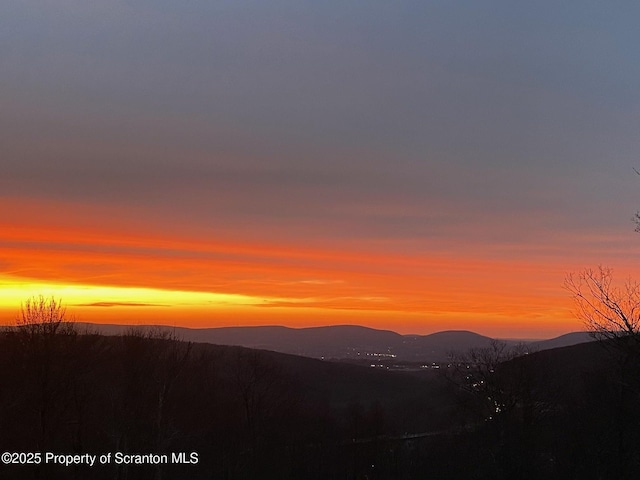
<point x="564" y="413"/>
<point x="242" y="410"/>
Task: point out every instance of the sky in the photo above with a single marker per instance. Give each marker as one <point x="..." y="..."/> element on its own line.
<point x="413" y="165"/>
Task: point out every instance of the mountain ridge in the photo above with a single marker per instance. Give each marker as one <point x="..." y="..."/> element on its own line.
<point x="353" y="342"/>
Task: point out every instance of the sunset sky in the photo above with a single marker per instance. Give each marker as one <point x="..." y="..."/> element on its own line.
<point x="411" y="165"/>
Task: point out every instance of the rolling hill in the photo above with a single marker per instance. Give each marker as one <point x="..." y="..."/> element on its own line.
<point x="349" y="342"/>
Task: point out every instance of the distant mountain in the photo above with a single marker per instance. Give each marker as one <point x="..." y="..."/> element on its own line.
<point x="350" y="342"/>
<point x="332" y="341"/>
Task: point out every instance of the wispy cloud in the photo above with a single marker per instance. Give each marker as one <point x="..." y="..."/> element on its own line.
<point x="118" y="304"/>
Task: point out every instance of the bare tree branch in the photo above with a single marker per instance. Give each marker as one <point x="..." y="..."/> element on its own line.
<point x="44" y="316"/>
<point x="607" y="310"/>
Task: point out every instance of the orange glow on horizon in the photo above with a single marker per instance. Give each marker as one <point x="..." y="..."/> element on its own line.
<point x="112" y="274"/>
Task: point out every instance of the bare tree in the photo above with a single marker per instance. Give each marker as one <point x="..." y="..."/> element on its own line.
<point x="44" y="316"/>
<point x="609" y="311"/>
<point x="45" y="347"/>
<point x="612" y="314"/>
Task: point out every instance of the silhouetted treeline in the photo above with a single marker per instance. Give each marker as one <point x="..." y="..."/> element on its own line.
<point x="249" y="414"/>
<point x="568" y="413"/>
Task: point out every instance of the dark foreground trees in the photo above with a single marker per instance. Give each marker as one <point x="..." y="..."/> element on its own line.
<point x="247" y="414"/>
<point x="611" y="312"/>
<point x="44" y="367"/>
<point x="254" y="414"/>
